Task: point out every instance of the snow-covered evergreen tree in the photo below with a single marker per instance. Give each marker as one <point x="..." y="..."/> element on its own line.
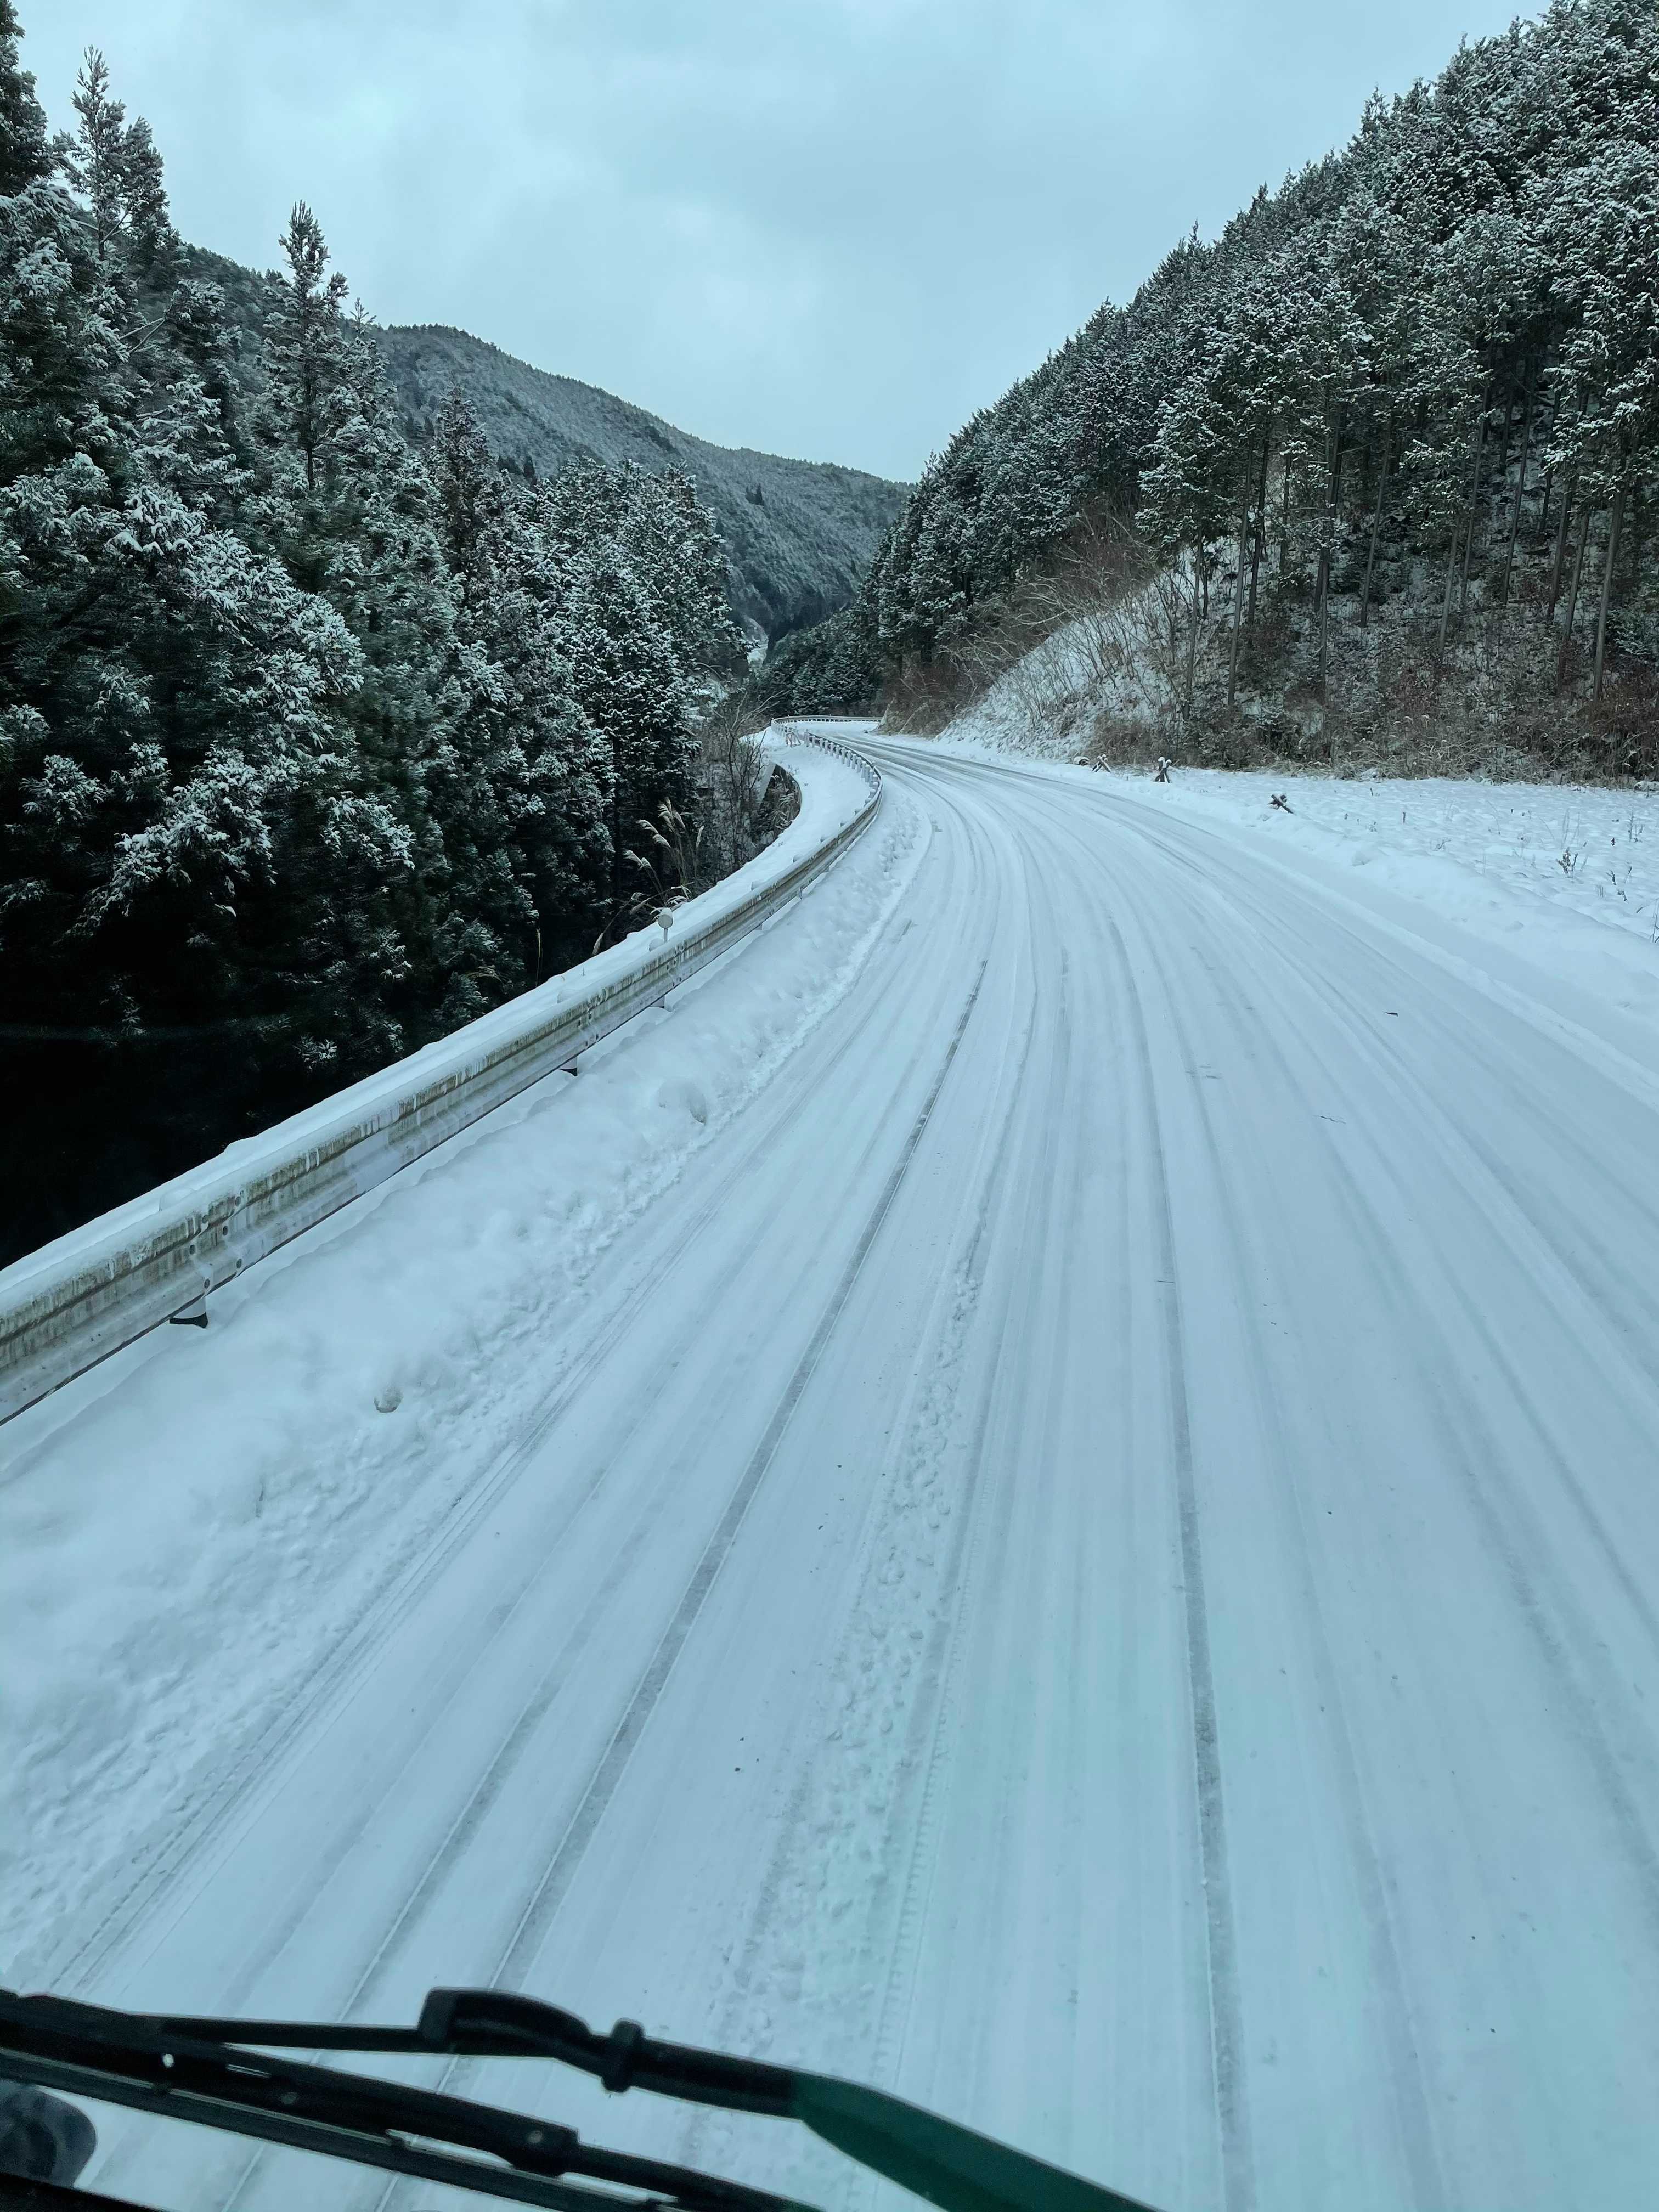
<point x="25" y="152"/>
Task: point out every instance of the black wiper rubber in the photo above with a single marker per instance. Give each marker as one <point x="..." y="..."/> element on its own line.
<point x="950" y="2165"/>
<point x="163" y="2068"/>
<point x="488" y="2024"/>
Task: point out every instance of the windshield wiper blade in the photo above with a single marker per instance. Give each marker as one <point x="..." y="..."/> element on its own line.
<point x="162" y="2068"/>
<point x="950" y="2165"/>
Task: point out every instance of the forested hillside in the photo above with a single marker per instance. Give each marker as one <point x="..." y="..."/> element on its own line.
<point x="1371" y="477"/>
<point x="798" y="536"/>
<point x="312" y="744"/>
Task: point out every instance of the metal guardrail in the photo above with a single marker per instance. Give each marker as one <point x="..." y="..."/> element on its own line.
<point x="157" y="1258"/>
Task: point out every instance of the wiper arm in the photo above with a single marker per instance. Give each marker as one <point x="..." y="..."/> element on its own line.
<point x="950" y="2165"/>
<point x="164" y="2067"/>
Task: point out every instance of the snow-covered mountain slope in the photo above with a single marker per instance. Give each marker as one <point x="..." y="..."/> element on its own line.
<point x="798" y="534"/>
<point x="1071" y="1536"/>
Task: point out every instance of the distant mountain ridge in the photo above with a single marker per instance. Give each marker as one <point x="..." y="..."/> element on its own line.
<point x="800" y="535"/>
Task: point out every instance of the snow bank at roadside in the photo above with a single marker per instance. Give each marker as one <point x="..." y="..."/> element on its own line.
<point x="1577" y="849"/>
<point x="833" y="792"/>
<point x="1564" y="877"/>
<point x="1044" y="705"/>
<point x="186" y="1529"/>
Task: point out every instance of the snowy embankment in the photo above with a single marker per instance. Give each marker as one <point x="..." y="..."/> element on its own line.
<point x="222" y="1505"/>
<point x="1562" y="878"/>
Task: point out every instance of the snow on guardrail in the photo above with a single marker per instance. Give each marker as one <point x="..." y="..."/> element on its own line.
<point x="85" y="1295"/>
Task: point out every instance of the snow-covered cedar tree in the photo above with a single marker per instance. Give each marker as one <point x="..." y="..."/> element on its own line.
<point x="25" y="154"/>
<point x="521" y="723"/>
<point x="187" y="851"/>
<point x="631" y="688"/>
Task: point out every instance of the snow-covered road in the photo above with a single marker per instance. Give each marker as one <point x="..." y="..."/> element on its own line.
<point x="1092" y="1559"/>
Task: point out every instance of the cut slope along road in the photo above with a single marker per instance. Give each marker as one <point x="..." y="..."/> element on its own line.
<point x="1088" y="1557"/>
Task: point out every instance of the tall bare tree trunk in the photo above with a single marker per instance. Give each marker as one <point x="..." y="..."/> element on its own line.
<point x="1559" y="562"/>
<point x="1285" y="519"/>
<point x="1238" y="595"/>
<point x="1192" y="647"/>
<point x="1468" y="535"/>
<point x="1260" y="518"/>
<point x="1631" y="538"/>
<point x="1445" y="604"/>
<point x="1520" y="494"/>
<point x="1572" y="595"/>
<point x="1377" y="525"/>
<point x="1503" y="463"/>
<point x="1328" y="546"/>
<point x="1614" y="518"/>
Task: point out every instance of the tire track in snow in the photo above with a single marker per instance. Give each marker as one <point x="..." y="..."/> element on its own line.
<point x="542" y="1907"/>
<point x="880" y="1008"/>
<point x="1571" y="1646"/>
<point x="346" y="1661"/>
<point x="1530" y="1240"/>
<point x="1448" y="1135"/>
<point x="827" y="1897"/>
<point x="1636" y="1307"/>
<point x="866" y="1759"/>
<point x="1226" y="2005"/>
<point x="885" y="1010"/>
<point x="516" y="1744"/>
<point x="1226" y="2047"/>
<point x="544" y="1902"/>
<point x="1029" y="1283"/>
<point x="931" y="1749"/>
<point x="1224" y="2038"/>
<point x="1415" y="2129"/>
<point x="521" y="1737"/>
<point x="1415" y="2125"/>
<point x="1449" y="1131"/>
<point x="214" y="1817"/>
<point x="1454" y="1388"/>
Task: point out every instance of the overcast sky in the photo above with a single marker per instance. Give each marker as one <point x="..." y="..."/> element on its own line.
<point x="832" y="230"/>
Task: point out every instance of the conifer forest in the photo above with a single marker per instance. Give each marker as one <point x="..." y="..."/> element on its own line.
<point x="1371" y="478"/>
<point x="314" y="744"/>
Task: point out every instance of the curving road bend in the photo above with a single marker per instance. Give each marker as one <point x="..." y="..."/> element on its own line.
<point x="1100" y="1572"/>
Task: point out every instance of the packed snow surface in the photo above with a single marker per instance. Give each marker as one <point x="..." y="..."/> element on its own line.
<point x="1042" y="1494"/>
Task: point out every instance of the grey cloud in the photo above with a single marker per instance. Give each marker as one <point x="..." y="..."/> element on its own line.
<point x="832" y="230"/>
